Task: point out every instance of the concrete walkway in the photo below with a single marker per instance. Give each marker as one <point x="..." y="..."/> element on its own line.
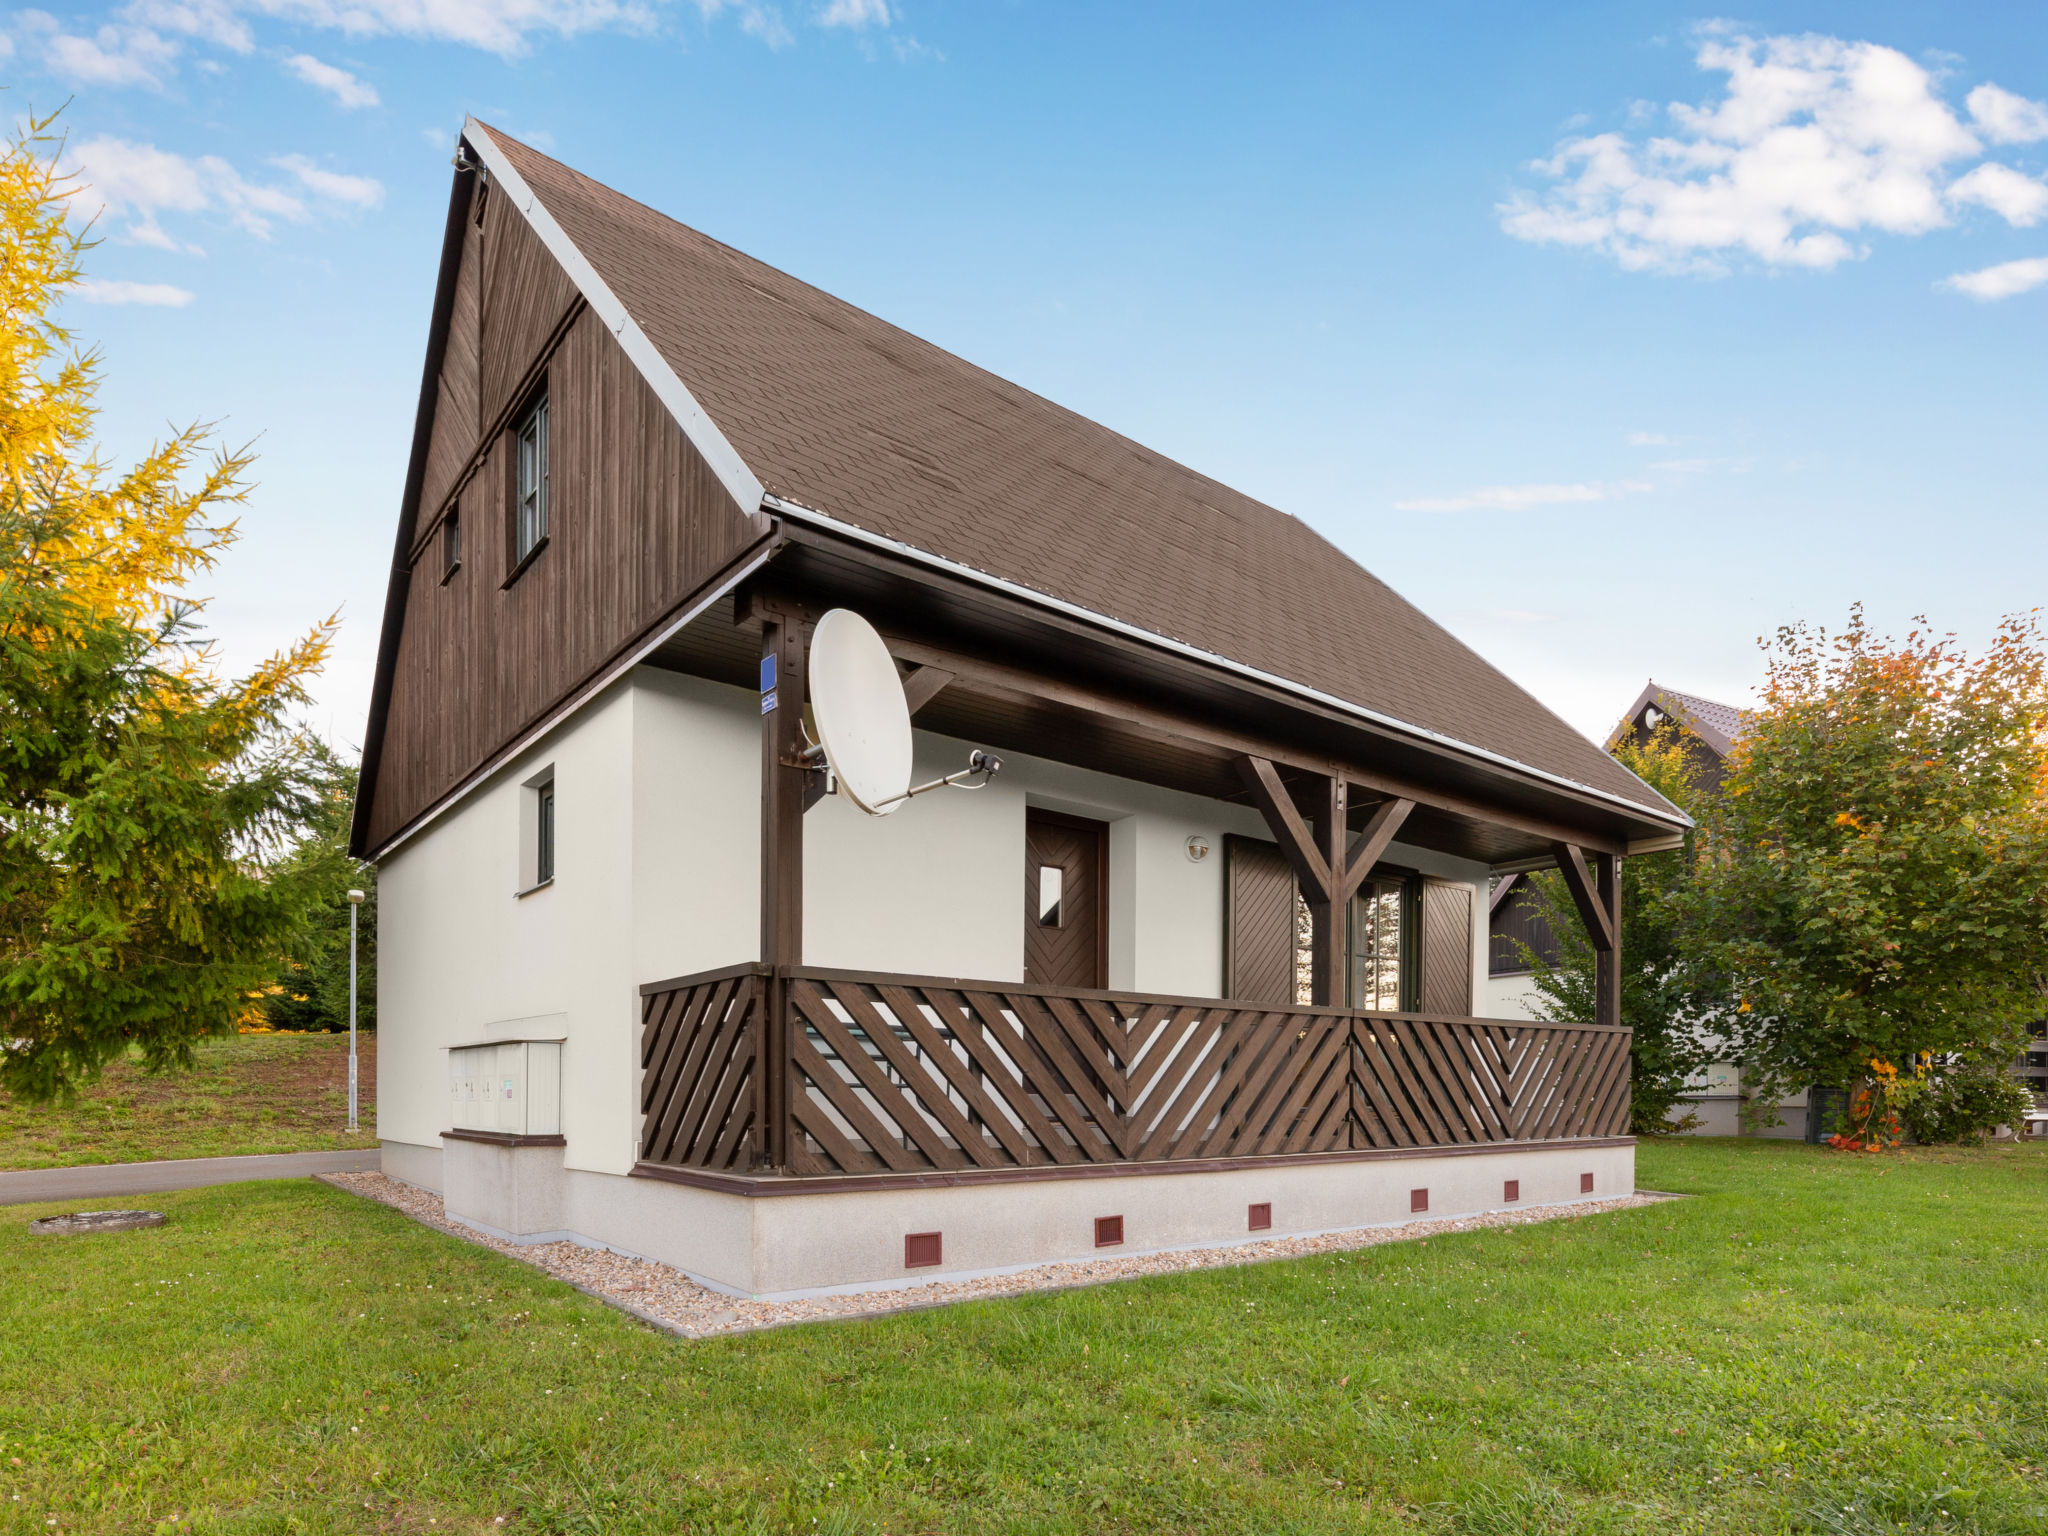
<point x="94" y="1181"/>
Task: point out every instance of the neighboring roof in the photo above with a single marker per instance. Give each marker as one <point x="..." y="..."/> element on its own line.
<point x="837" y="411"/>
<point x="1718" y="726"/>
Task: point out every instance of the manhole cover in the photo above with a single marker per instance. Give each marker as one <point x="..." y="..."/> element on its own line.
<point x="96" y="1221"/>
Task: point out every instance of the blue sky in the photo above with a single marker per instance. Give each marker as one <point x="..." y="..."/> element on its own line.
<point x="1613" y="335"/>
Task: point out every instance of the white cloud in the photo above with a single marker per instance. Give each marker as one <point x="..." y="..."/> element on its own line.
<point x="117" y="291"/>
<point x="144" y="41"/>
<point x="496" y="26"/>
<point x="1813" y="143"/>
<point x="1520" y="498"/>
<point x="1648" y="440"/>
<point x="121" y="53"/>
<point x="336" y="82"/>
<point x="2001" y="281"/>
<point x="139" y="183"/>
<point x="855" y="13"/>
<point x="2018" y="199"/>
<point x="2006" y="118"/>
<point x="332" y="186"/>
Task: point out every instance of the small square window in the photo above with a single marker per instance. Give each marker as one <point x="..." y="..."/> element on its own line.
<point x="1585" y="1183"/>
<point x="922" y="1250"/>
<point x="1260" y="1217"/>
<point x="1418" y="1199"/>
<point x="1511" y="1190"/>
<point x="530" y="483"/>
<point x="1109" y="1231"/>
<point x="451" y="545"/>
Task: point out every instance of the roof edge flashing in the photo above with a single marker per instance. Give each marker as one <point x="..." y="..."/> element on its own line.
<point x="788" y="508"/>
<point x="717" y="451"/>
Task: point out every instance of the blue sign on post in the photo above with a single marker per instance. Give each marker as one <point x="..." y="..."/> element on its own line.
<point x="768" y="683"/>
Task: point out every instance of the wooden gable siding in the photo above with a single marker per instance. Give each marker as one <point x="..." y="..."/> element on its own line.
<point x="457" y="411"/>
<point x="526" y="294"/>
<point x="637" y="521"/>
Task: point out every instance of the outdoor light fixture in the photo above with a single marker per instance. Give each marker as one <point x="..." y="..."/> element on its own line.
<point x="1198" y="848"/>
<point x="355" y="904"/>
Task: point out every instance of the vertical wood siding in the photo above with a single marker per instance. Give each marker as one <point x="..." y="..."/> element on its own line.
<point x="1446" y="979"/>
<point x="636" y="522"/>
<point x="456" y="410"/>
<point x="1259" y="947"/>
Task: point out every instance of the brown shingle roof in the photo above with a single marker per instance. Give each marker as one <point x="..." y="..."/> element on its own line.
<point x="1719" y="726"/>
<point x="841" y="412"/>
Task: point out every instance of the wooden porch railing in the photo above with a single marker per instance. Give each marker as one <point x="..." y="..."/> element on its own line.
<point x="914" y="1074"/>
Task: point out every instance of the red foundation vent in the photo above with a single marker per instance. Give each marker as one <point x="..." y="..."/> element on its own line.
<point x="1418" y="1199"/>
<point x="1109" y="1231"/>
<point x="1260" y="1217"/>
<point x="921" y="1250"/>
<point x="1585" y="1183"/>
<point x="1511" y="1190"/>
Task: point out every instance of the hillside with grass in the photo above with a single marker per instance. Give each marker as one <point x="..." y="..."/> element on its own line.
<point x="246" y="1094"/>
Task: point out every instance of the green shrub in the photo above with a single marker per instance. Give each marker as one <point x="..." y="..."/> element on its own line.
<point x="1964" y="1104"/>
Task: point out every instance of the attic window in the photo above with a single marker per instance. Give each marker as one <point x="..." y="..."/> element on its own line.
<point x="451" y="545"/>
<point x="530" y="484"/>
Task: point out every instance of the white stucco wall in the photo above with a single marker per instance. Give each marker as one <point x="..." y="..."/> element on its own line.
<point x="462" y="957"/>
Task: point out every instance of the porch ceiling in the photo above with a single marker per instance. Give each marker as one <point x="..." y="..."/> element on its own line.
<point x="1038" y="682"/>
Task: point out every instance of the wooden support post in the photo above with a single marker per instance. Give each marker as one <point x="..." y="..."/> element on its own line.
<point x="783" y="658"/>
<point x="1315" y="846"/>
<point x="1607" y="963"/>
<point x="1596" y="892"/>
<point x="1330" y="941"/>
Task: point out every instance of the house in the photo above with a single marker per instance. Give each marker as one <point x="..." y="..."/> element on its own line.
<point x="1708" y="732"/>
<point x="1201" y="959"/>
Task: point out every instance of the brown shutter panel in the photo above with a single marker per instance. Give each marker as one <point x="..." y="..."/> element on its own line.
<point x="1446" y="948"/>
<point x="1258" y="922"/>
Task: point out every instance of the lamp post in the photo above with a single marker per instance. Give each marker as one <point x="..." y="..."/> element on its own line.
<point x="355" y="905"/>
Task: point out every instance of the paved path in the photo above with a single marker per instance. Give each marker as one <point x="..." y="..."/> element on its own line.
<point x="94" y="1181"/>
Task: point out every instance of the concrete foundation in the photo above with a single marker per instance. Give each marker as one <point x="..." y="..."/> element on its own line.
<point x="796" y="1244"/>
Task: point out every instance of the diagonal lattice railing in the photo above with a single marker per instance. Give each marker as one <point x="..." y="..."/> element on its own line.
<point x="916" y="1074"/>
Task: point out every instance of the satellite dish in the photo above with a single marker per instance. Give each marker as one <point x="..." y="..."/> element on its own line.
<point x="863" y="720"/>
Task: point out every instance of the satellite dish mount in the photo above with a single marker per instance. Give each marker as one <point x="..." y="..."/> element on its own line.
<point x="863" y="721"/>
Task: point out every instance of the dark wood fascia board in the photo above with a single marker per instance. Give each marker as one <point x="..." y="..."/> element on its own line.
<point x="756" y="1186"/>
<point x="1224" y="744"/>
<point x="1292" y="705"/>
<point x="616" y="665"/>
<point x="408" y="511"/>
<point x="505" y="1139"/>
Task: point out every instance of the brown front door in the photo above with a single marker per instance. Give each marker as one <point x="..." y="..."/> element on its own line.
<point x="1066" y="936"/>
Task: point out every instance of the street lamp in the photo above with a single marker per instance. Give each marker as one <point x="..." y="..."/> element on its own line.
<point x="355" y="905"/>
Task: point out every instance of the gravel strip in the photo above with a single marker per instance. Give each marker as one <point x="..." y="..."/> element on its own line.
<point x="669" y="1299"/>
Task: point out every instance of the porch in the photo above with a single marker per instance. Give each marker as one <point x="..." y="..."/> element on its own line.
<point x="759" y="1078"/>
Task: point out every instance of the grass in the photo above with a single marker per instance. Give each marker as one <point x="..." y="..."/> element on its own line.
<point x="247" y="1094"/>
<point x="1819" y="1343"/>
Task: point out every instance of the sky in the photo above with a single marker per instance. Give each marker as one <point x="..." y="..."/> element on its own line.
<point x="1614" y="336"/>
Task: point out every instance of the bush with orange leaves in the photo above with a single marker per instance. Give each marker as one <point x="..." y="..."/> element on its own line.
<point x="1873" y="882"/>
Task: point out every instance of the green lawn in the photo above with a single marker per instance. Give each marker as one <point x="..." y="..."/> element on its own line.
<point x="247" y="1094"/>
<point x="1819" y="1342"/>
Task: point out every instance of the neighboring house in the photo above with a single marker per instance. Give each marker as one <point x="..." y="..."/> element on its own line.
<point x="1709" y="731"/>
<point x="646" y="981"/>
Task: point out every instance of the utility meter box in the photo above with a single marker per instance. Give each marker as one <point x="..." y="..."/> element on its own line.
<point x="512" y="1087"/>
